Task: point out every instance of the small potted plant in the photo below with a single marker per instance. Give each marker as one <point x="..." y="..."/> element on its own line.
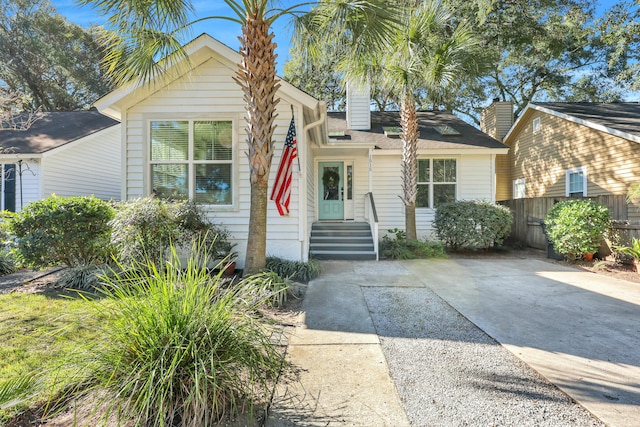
<point x="633" y="251"/>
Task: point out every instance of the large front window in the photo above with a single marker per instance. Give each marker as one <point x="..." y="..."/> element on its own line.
<point x="192" y="159"/>
<point x="436" y="182"/>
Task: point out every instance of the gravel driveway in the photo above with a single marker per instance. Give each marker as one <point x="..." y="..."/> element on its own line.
<point x="450" y="373"/>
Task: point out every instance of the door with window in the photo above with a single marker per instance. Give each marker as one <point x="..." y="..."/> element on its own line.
<point x="331" y="190"/>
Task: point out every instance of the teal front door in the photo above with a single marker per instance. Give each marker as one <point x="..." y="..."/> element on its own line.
<point x="331" y="194"/>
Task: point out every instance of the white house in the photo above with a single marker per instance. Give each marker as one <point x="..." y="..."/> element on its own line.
<point x="185" y="138"/>
<point x="73" y="153"/>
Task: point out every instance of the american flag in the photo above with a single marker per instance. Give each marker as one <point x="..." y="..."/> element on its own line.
<point x="281" y="192"/>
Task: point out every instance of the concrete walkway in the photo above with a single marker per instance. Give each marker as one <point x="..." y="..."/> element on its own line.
<point x="579" y="330"/>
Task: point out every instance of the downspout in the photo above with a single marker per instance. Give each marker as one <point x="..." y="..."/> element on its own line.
<point x="302" y="230"/>
<point x="370" y="170"/>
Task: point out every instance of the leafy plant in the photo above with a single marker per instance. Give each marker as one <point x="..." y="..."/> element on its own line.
<point x="181" y="347"/>
<point x="83" y="277"/>
<point x="295" y="270"/>
<point x="577" y="227"/>
<point x="396" y="246"/>
<point x="16" y="391"/>
<point x="63" y="230"/>
<point x="146" y="228"/>
<point x="633" y="250"/>
<point x="276" y="289"/>
<point x="472" y="225"/>
<point x="8" y="263"/>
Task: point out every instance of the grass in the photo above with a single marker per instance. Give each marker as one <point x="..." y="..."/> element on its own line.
<point x="168" y="346"/>
<point x="39" y="334"/>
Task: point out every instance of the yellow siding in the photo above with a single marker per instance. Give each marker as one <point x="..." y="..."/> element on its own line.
<point x="543" y="158"/>
<point x="503" y="177"/>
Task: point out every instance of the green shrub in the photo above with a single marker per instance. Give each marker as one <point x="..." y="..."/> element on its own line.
<point x="577" y="227"/>
<point x="84" y="277"/>
<point x="63" y="230"/>
<point x="275" y="288"/>
<point x="398" y="247"/>
<point x="181" y="347"/>
<point x="146" y="228"/>
<point x="8" y="263"/>
<point x="295" y="270"/>
<point x="472" y="225"/>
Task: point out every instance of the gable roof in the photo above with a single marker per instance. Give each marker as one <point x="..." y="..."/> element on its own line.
<point x="430" y="138"/>
<point x="197" y="50"/>
<point x="52" y="130"/>
<point x="618" y="118"/>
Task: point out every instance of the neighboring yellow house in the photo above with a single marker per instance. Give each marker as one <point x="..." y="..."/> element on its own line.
<point x="567" y="150"/>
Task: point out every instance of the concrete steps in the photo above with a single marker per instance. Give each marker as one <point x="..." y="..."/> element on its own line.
<point x="341" y="241"/>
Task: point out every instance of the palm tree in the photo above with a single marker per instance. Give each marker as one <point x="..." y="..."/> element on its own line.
<point x="422" y="52"/>
<point x="146" y="30"/>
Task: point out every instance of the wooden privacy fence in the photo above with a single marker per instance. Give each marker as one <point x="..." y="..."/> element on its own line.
<point x="528" y="215"/>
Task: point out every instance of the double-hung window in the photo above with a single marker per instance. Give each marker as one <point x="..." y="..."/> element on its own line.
<point x="576" y="182"/>
<point x="519" y="188"/>
<point x="436" y="182"/>
<point x="192" y="159"/>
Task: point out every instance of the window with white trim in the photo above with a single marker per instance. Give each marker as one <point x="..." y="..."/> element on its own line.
<point x="536" y="125"/>
<point x="192" y="159"/>
<point x="576" y="182"/>
<point x="436" y="182"/>
<point x="519" y="188"/>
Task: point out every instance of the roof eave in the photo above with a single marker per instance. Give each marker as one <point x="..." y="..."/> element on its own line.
<point x="570" y="118"/>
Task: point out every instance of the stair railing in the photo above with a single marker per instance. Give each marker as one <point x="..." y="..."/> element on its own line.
<point x="371" y="216"/>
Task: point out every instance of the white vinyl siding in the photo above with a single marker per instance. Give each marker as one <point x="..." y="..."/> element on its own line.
<point x="90" y="167"/>
<point x="475" y="182"/>
<point x="210" y="93"/>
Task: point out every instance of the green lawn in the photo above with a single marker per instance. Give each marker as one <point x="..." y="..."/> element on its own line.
<point x="40" y="334"/>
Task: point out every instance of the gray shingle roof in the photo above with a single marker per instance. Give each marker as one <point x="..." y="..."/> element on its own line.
<point x="621" y="116"/>
<point x="54" y="129"/>
<point x="469" y="137"/>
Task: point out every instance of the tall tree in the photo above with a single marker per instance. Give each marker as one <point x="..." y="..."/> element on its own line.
<point x="146" y="30"/>
<point x="539" y="50"/>
<point x="619" y="31"/>
<point x="53" y="63"/>
<point x="422" y="54"/>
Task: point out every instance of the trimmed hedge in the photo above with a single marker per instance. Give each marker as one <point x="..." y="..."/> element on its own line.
<point x="472" y="225"/>
<point x="72" y="231"/>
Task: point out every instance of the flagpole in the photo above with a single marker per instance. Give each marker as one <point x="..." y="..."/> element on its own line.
<point x="292" y="118"/>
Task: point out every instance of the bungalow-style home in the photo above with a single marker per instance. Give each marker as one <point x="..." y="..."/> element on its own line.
<point x="559" y="149"/>
<point x="73" y="153"/>
<point x="185" y="138"/>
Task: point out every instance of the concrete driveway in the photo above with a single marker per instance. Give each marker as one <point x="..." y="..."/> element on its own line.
<point x="579" y="330"/>
<point x="384" y="343"/>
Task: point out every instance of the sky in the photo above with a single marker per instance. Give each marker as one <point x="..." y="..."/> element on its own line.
<point x="225" y="31"/>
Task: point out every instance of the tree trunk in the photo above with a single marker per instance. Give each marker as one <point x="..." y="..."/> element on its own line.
<point x="257" y="77"/>
<point x="409" y="136"/>
<point x="256" y="256"/>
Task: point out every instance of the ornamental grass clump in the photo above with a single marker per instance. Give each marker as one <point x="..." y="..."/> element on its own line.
<point x="181" y="347"/>
<point x="577" y="227"/>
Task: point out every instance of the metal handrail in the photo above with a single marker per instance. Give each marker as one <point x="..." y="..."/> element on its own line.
<point x="372" y="218"/>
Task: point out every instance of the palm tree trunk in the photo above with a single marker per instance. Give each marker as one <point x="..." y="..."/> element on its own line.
<point x="257" y="77"/>
<point x="409" y="124"/>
